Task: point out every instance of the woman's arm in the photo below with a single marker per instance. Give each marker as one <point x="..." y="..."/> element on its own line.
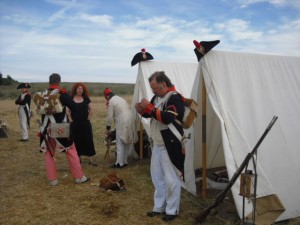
<point x="89" y="111"/>
<point x="68" y="112"/>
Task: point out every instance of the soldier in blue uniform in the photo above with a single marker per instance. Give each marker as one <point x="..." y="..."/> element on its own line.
<point x="23" y="101"/>
<point x="167" y="160"/>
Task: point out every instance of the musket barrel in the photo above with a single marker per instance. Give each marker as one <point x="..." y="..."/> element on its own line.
<point x="200" y="218"/>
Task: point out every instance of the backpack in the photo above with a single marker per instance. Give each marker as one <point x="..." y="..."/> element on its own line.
<point x="48" y="102"/>
<point x="190" y="113"/>
<point x="112" y="182"/>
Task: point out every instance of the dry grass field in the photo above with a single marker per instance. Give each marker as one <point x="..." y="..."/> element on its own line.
<point x="26" y="197"/>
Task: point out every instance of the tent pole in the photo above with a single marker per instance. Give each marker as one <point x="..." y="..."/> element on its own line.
<point x="203" y="139"/>
<point x="141" y="140"/>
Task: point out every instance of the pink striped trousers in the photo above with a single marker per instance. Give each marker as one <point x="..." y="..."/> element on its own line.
<point x="74" y="163"/>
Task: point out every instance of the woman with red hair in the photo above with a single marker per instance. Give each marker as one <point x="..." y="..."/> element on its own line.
<point x="81" y="127"/>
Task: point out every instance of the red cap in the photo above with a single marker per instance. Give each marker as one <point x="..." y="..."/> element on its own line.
<point x="143" y="50"/>
<point x="107" y="91"/>
<point x="197" y="44"/>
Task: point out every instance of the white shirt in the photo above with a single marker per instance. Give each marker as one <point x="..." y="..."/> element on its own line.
<point x="120" y="112"/>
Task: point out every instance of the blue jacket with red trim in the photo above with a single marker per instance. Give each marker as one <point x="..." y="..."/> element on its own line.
<point x="173" y="109"/>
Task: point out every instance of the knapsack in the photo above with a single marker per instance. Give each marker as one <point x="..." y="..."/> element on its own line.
<point x="112" y="182"/>
<point x="48" y="102"/>
<point x="190" y="113"/>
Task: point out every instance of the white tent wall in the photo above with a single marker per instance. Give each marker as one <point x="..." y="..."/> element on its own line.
<point x="245" y="92"/>
<point x="182" y="75"/>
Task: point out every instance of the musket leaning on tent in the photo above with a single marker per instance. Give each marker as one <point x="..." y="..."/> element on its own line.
<point x="200" y="218"/>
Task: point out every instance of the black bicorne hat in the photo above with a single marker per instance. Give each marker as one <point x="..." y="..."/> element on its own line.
<point x="204" y="47"/>
<point x="141" y="56"/>
<point x="24" y="85"/>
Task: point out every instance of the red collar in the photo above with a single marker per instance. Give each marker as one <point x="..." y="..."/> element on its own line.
<point x="54" y="86"/>
<point x="171" y="89"/>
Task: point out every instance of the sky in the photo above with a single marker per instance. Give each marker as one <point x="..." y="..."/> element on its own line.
<point x="95" y="40"/>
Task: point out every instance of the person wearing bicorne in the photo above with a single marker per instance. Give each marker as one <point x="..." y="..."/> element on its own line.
<point x="24" y="112"/>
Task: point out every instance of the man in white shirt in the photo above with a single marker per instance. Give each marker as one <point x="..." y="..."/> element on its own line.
<point x="119" y="112"/>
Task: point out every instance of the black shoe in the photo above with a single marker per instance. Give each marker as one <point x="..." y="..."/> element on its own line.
<point x="168" y="217"/>
<point x="115" y="166"/>
<point x="153" y="214"/>
<point x="92" y="163"/>
<point x="123" y="166"/>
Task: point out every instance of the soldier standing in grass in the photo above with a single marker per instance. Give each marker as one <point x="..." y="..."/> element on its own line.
<point x="49" y="144"/>
<point x="23" y="101"/>
<point x="167" y="158"/>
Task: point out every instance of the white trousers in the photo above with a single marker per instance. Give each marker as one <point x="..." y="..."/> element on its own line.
<point x="166" y="182"/>
<point x="123" y="150"/>
<point x="23" y="123"/>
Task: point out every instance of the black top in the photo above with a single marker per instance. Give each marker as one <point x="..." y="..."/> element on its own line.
<point x="82" y="112"/>
<point x="81" y="128"/>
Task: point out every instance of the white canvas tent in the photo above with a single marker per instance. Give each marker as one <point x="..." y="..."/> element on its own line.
<point x="245" y="91"/>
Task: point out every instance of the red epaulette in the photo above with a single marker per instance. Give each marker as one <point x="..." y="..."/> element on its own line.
<point x="183" y="99"/>
<point x="63" y="90"/>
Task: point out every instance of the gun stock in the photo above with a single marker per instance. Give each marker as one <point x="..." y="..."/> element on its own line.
<point x="202" y="215"/>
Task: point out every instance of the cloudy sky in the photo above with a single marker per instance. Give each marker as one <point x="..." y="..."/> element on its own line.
<point x="95" y="40"/>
